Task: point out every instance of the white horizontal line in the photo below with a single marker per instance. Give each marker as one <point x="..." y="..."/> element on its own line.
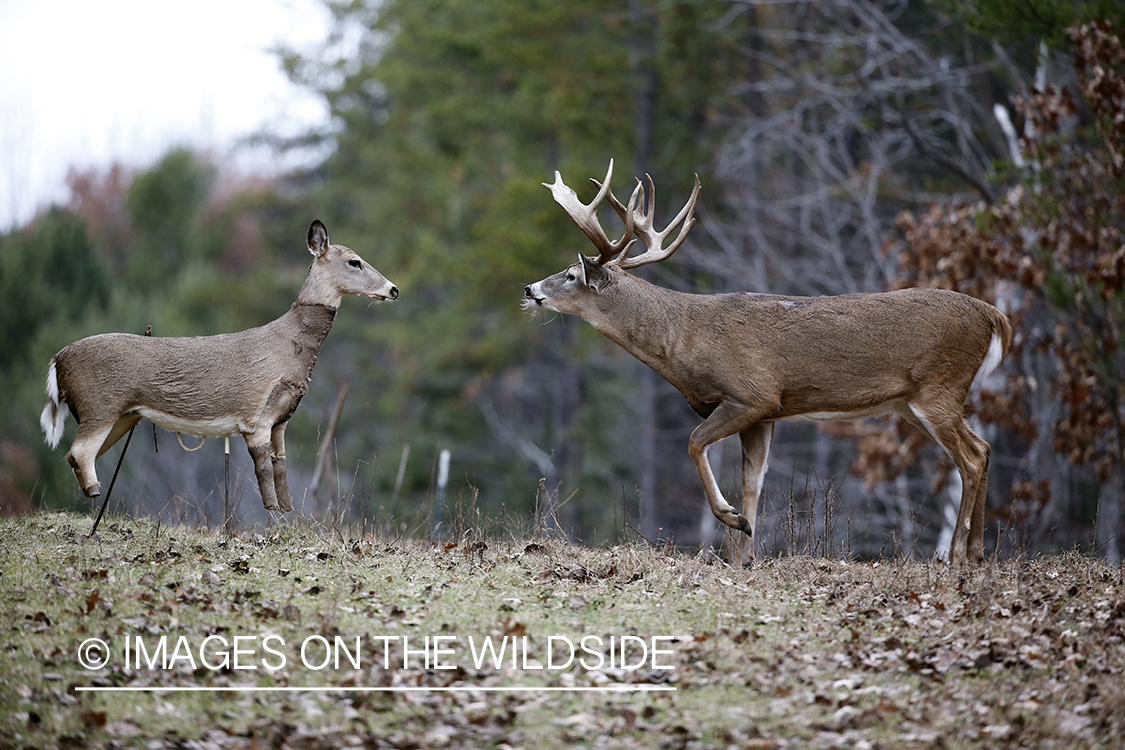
<point x="359" y="689"/>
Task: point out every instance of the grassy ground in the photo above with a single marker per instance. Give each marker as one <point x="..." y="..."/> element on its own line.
<point x="796" y="652"/>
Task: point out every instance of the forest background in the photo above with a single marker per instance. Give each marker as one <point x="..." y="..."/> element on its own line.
<point x="843" y="146"/>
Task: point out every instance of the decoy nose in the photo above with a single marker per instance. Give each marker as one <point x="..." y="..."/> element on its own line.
<point x="394" y="292"/>
<point x="527" y="290"/>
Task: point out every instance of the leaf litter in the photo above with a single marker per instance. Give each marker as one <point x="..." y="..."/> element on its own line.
<point x="795" y="652"/>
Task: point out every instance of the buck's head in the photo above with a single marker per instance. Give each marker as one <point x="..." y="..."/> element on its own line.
<point x="578" y="289"/>
<point x="574" y="290"/>
<point x="338" y="271"/>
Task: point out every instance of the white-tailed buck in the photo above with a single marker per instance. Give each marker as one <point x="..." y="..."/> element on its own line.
<point x="248" y="382"/>
<point x="745" y="361"/>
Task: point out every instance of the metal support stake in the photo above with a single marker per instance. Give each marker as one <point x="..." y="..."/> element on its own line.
<point x="112" y="481"/>
<point x="227" y="512"/>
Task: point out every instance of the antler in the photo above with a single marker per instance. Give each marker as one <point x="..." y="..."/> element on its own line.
<point x="641" y="223"/>
<point x="585" y="215"/>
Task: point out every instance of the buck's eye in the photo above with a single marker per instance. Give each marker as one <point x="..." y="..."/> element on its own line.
<point x="354" y="263"/>
<point x="570" y="277"/>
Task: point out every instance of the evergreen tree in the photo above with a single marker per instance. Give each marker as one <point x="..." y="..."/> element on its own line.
<point x="450" y="115"/>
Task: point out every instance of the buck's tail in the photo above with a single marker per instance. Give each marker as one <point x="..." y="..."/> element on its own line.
<point x="53" y="417"/>
<point x="998" y="346"/>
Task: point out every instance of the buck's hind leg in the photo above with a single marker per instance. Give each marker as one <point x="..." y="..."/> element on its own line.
<point x="280" y="480"/>
<point x="970" y="454"/>
<point x="976" y="523"/>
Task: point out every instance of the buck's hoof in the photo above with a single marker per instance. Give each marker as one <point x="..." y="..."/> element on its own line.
<point x="745" y="527"/>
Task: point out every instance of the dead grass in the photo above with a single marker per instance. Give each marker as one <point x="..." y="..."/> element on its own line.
<point x="797" y="652"/>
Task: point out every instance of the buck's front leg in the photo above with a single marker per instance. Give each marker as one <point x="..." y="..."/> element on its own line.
<point x="258" y="443"/>
<point x="280" y="480"/>
<point x="726" y="420"/>
<point x="756" y="442"/>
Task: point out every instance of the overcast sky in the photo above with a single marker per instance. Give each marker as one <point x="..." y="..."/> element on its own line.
<point x="84" y="84"/>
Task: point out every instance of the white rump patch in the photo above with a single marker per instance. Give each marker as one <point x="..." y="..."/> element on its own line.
<point x="991" y="359"/>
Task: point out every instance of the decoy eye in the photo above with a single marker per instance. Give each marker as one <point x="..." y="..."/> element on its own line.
<point x="354" y="263"/>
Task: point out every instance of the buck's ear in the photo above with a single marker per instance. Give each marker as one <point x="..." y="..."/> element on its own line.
<point x="583" y="276"/>
<point x="593" y="275"/>
<point x="318" y="238"/>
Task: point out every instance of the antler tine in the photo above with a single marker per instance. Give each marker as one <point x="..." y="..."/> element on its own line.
<point x="626" y="213"/>
<point x="586" y="215"/>
<point x="643" y="229"/>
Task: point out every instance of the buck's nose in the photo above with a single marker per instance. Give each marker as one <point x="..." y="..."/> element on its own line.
<point x="394" y="292"/>
<point x="527" y="291"/>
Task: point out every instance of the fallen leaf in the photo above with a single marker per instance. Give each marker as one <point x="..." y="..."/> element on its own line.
<point x="93" y="718"/>
<point x="517" y="629"/>
<point x="476" y="712"/>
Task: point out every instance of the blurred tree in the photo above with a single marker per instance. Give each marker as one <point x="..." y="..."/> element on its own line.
<point x="449" y="116"/>
<point x="50" y="277"/>
<point x="49" y="271"/>
<point x="164" y="206"/>
<point x="1021" y="25"/>
<point x="846" y="113"/>
<point x="1053" y="254"/>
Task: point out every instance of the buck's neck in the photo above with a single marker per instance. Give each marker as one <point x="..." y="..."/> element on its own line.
<point x="640" y="317"/>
